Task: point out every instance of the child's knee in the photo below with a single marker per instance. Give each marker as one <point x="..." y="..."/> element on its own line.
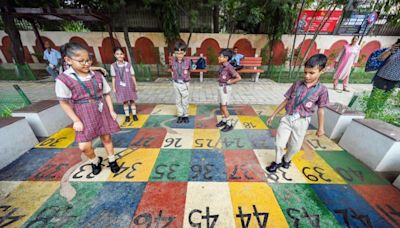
<point x="85" y="147"/>
<point x="106" y="139"/>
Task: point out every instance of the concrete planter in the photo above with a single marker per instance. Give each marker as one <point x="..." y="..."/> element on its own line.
<point x="337" y="118"/>
<point x="375" y="143"/>
<point x="16" y="137"/>
<point x="45" y="117"/>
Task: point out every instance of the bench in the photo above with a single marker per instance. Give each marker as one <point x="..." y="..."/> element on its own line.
<point x="194" y="59"/>
<point x="375" y="143"/>
<point x="250" y="65"/>
<point x="16" y="137"/>
<point x="45" y="117"/>
<point x="337" y="118"/>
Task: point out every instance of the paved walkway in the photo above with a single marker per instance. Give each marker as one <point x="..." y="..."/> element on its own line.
<point x="246" y="92"/>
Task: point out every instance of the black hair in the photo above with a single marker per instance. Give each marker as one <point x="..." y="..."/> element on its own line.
<point x="316" y="60"/>
<point x="226" y="52"/>
<point x="118" y="49"/>
<point x="70" y="48"/>
<point x="398" y="41"/>
<point x="180" y="46"/>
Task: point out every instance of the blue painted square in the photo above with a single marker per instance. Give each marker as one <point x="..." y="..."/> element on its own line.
<point x="261" y="139"/>
<point x="26" y="165"/>
<point x="236" y="139"/>
<point x="120" y="139"/>
<point x="207" y="165"/>
<point x="231" y="111"/>
<point x="349" y="208"/>
<point x="119" y="109"/>
<point x="114" y="205"/>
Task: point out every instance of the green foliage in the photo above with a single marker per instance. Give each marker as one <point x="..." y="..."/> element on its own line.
<point x="212" y="56"/>
<point x="142" y="73"/>
<point x="381" y="105"/>
<point x="74" y="26"/>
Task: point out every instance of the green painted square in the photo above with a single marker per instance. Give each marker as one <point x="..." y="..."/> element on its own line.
<point x="235" y="139"/>
<point x="351" y="169"/>
<point x="57" y="212"/>
<point x="171" y="165"/>
<point x="302" y="206"/>
<point x="155" y="121"/>
<point x="206" y="110"/>
<point x="275" y="122"/>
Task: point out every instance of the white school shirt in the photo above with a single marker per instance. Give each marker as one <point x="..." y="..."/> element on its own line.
<point x="112" y="70"/>
<point x="63" y="92"/>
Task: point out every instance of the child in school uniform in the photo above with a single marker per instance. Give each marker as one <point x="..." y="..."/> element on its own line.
<point x="181" y="67"/>
<point x="300" y="102"/>
<point x="85" y="97"/>
<point x="227" y="77"/>
<point x="124" y="83"/>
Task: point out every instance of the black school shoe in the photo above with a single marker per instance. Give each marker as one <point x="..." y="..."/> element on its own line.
<point x="221" y="124"/>
<point x="114" y="166"/>
<point x="179" y="120"/>
<point x="96" y="168"/>
<point x="135" y="118"/>
<point x="127" y="119"/>
<point x="273" y="167"/>
<point x="227" y="128"/>
<point x="285" y="164"/>
<point x="185" y="119"/>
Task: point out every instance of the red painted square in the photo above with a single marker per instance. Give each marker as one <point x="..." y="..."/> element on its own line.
<point x="202" y="121"/>
<point x="144" y="108"/>
<point x="243" y="166"/>
<point x="149" y="138"/>
<point x="162" y="205"/>
<point x="55" y="168"/>
<point x="245" y="110"/>
<point x="385" y="199"/>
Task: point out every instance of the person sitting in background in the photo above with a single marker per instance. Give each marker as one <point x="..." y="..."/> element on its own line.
<point x="235" y="61"/>
<point x="52" y="58"/>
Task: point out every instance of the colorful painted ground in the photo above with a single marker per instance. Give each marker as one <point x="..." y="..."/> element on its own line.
<point x="192" y="175"/>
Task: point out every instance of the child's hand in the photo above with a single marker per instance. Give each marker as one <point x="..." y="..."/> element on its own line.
<point x="114" y="90"/>
<point x="113" y="115"/>
<point x="270" y="119"/>
<point x="78" y="126"/>
<point x="320" y="132"/>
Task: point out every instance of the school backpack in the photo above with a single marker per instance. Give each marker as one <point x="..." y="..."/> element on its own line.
<point x="201" y="63"/>
<point x="373" y="62"/>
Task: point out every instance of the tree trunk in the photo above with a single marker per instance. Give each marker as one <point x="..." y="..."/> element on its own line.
<point x="36" y="31"/>
<point x="110" y="34"/>
<point x="126" y="35"/>
<point x="294" y="40"/>
<point x="17" y="49"/>
<point x="216" y="18"/>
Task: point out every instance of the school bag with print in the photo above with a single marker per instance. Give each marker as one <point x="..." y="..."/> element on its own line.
<point x="373" y="62"/>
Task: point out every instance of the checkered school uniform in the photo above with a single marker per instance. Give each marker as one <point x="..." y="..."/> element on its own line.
<point x="95" y="123"/>
<point x="128" y="92"/>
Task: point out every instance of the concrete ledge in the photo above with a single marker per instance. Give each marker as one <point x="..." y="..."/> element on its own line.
<point x="375" y="143"/>
<point x="16" y="137"/>
<point x="337" y="118"/>
<point x="396" y="182"/>
<point x="45" y="117"/>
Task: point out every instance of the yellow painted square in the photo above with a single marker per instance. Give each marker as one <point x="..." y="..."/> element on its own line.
<point x="282" y="175"/>
<point x="315" y="170"/>
<point x="132" y="124"/>
<point x="252" y="122"/>
<point x="263" y="110"/>
<point x="164" y="109"/>
<point x="245" y="195"/>
<point x="6" y="187"/>
<point x="84" y="171"/>
<point x="136" y="165"/>
<point x="25" y="200"/>
<point x="320" y="143"/>
<point x="206" y="139"/>
<point x="235" y="121"/>
<point x="179" y="139"/>
<point x="61" y="139"/>
<point x="192" y="109"/>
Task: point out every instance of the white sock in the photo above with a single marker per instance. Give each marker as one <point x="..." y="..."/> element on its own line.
<point x="133" y="107"/>
<point x="111" y="158"/>
<point x="229" y="122"/>
<point x="126" y="110"/>
<point x="224" y="119"/>
<point x="94" y="160"/>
